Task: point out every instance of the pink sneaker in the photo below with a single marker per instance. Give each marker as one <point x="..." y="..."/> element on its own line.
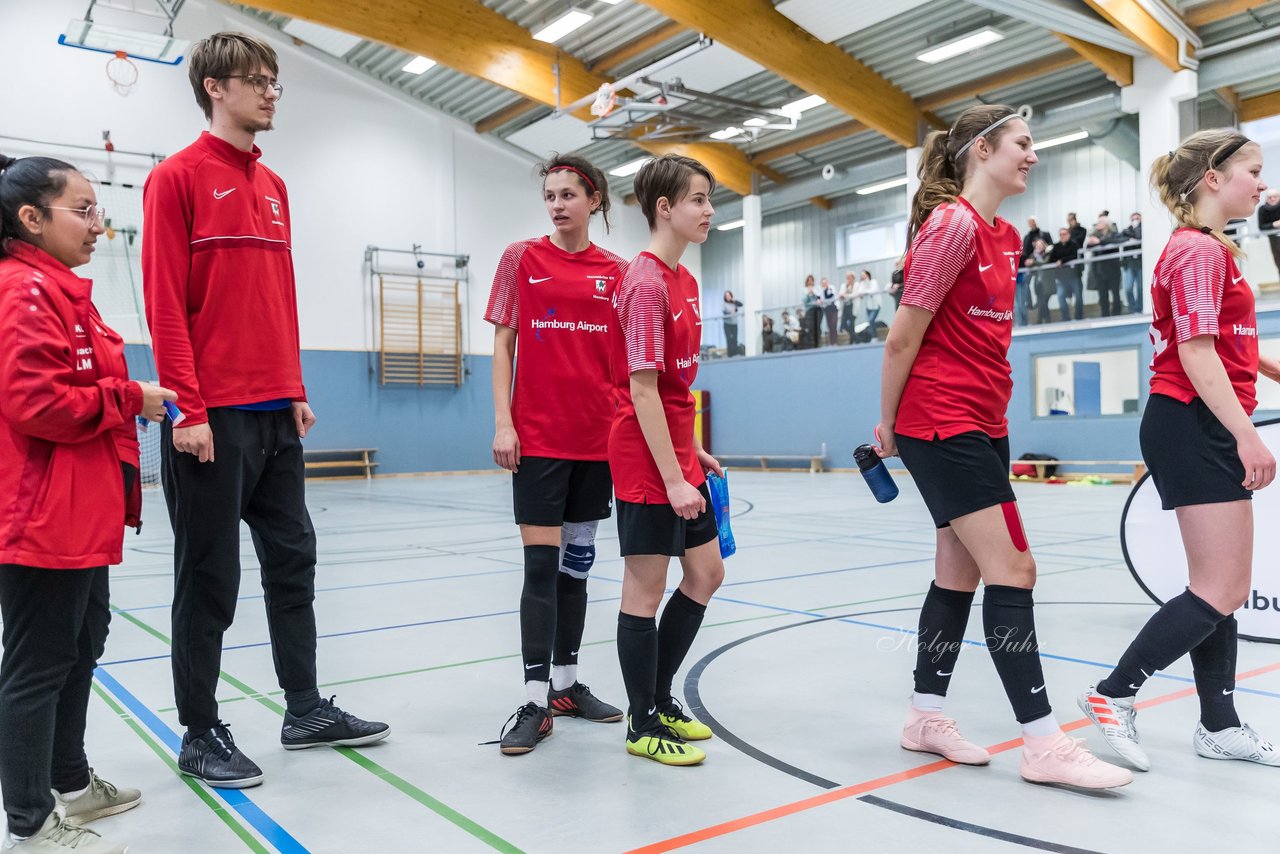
<point x="932" y="732"/>
<point x="1065" y="760"/>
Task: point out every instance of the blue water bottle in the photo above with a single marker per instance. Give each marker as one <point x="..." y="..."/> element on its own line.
<point x="877" y="476"/>
<point x="719" y="489"/>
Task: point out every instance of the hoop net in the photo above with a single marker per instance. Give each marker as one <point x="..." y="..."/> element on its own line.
<point x="123" y="73"/>
<point x="606" y="100"/>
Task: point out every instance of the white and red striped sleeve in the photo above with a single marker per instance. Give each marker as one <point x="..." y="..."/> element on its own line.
<point x="504" y="298"/>
<point x="945" y="245"/>
<point x="1197" y="277"/>
<point x="643" y="303"/>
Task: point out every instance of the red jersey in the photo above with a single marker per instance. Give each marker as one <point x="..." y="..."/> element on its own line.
<point x="1197" y="289"/>
<point x="561" y="306"/>
<point x="660" y="328"/>
<point x="964" y="271"/>
<point x="217" y="275"/>
<point x="66" y="420"/>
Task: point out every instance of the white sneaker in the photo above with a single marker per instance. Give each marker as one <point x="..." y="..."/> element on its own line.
<point x="1115" y="718"/>
<point x="59" y="837"/>
<point x="1237" y="742"/>
<point x="101" y="799"/>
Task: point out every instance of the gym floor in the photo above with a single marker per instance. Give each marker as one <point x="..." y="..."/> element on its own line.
<point x="803" y="669"/>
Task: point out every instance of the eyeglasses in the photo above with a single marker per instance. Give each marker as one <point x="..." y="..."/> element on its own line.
<point x="259" y="83"/>
<point x="93" y="214"/>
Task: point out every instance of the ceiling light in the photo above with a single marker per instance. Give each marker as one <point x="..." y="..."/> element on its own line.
<point x="755" y="123"/>
<point x="629" y="168"/>
<point x="883" y="185"/>
<point x="727" y="133"/>
<point x="562" y="26"/>
<point x="795" y="108"/>
<point x="611" y="2"/>
<point x="963" y="44"/>
<point x="418" y="64"/>
<point x="1061" y="140"/>
<point x="730" y="226"/>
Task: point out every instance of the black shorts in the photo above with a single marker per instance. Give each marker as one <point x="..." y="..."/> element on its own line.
<point x="1191" y="456"/>
<point x="655" y="529"/>
<point x="550" y="492"/>
<point x="960" y="475"/>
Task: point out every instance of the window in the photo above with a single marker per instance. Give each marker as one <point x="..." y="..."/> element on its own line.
<point x="864" y="244"/>
<point x="1088" y="384"/>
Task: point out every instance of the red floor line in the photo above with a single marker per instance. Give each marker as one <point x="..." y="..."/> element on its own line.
<point x="856" y="789"/>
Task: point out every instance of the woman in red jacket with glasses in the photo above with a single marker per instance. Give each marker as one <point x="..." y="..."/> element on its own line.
<point x="68" y="486"/>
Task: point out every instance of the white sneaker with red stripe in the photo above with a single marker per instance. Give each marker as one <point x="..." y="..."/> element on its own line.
<point x="1064" y="760"/>
<point x="1115" y="718"/>
<point x="933" y="732"/>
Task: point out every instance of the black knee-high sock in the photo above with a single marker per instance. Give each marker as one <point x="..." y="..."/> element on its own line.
<point x="638" y="656"/>
<point x="1178" y="627"/>
<point x="680" y="622"/>
<point x="1008" y="620"/>
<point x="1214" y="664"/>
<point x="571" y="617"/>
<point x="943" y="619"/>
<point x="538" y="610"/>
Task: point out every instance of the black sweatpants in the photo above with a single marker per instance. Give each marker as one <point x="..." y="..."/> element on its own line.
<point x="257" y="476"/>
<point x="55" y="628"/>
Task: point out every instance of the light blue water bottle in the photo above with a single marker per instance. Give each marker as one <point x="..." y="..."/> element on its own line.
<point x="719" y="489"/>
<point x="875" y="473"/>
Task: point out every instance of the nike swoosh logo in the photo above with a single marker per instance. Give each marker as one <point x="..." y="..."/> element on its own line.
<point x="223" y="194"/>
<point x="530" y="666"/>
<point x="1236" y="279"/>
<point x="940" y="673"/>
<point x="534" y="281"/>
<point x="982" y="269"/>
<point x="654" y="709"/>
<point x="1227" y="693"/>
<point x="676" y="316"/>
<point x="575" y="652"/>
<point x="1135" y="687"/>
<point x="1037" y="690"/>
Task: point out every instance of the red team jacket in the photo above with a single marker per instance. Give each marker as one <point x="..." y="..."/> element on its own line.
<point x="66" y="419"/>
<point x="217" y="271"/>
<point x="661" y="329"/>
<point x="963" y="270"/>
<point x="561" y="306"/>
<point x="1197" y="289"/>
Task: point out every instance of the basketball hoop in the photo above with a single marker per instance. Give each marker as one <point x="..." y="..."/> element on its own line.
<point x="122" y="73"/>
<point x="606" y="100"/>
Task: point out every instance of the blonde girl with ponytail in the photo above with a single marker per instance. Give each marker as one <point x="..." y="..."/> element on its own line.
<point x="1201" y="447"/>
<point x="945" y="392"/>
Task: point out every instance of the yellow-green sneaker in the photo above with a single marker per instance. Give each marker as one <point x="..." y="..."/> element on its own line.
<point x="662" y="745"/>
<point x="687" y="728"/>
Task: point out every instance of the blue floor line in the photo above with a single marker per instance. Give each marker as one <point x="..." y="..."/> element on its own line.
<point x="266" y="826"/>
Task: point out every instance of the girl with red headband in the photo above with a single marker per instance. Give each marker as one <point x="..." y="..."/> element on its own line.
<point x="552" y="300"/>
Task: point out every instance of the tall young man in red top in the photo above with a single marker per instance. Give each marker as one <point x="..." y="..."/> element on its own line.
<point x="1203" y="452"/>
<point x="944" y="393"/>
<point x="68" y="471"/>
<point x="659" y="469"/>
<point x="552" y="298"/>
<point x="220" y="298"/>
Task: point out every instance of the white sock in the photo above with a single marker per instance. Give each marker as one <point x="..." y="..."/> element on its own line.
<point x="1042" y="727"/>
<point x="71" y="796"/>
<point x="927" y="702"/>
<point x="537" y="692"/>
<point x="563" y="675"/>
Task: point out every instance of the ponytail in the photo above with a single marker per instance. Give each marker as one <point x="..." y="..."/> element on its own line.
<point x="1177" y="176"/>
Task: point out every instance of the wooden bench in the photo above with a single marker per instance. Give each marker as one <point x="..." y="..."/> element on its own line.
<point x="1135" y="470"/>
<point x="815" y="462"/>
<point x="322" y="461"/>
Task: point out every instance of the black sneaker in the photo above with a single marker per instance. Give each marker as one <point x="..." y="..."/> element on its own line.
<point x="578" y="701"/>
<point x="215" y="759"/>
<point x="532" y="725"/>
<point x="326" y="724"/>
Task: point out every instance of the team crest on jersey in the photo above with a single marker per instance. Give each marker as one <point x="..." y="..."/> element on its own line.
<point x="602" y="285"/>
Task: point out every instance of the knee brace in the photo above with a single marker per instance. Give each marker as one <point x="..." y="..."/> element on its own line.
<point x="577" y="548"/>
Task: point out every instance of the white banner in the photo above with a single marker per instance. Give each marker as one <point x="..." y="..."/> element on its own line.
<point x="1153" y="549"/>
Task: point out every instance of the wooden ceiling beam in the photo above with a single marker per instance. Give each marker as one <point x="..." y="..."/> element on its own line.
<point x="999" y="80"/>
<point x="1132" y="20"/>
<point x="1116" y="65"/>
<point x="804" y="143"/>
<point x="1218" y="10"/>
<point x="509" y="113"/>
<point x="1259" y="107"/>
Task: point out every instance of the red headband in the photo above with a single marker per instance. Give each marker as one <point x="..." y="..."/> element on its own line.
<point x="577" y="172"/>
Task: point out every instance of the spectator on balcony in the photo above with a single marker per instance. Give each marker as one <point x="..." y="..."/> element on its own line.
<point x="1131" y="266"/>
<point x="811" y="335"/>
<point x="731" y="309"/>
<point x="827" y="301"/>
<point x="1069" y="283"/>
<point x="847" y="292"/>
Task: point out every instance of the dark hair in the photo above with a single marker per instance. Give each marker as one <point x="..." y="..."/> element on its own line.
<point x="224" y="55"/>
<point x="1177" y="176"/>
<point x="667" y="177"/>
<point x="941" y="173"/>
<point x="26" y="181"/>
<point x="588" y="175"/>
<point x="868" y="272"/>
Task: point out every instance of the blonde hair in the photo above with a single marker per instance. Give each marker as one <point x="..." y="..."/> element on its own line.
<point x="942" y="166"/>
<point x="224" y="55"/>
<point x="1176" y="176"/>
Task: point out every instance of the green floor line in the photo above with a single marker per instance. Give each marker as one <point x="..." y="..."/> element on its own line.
<point x="245" y="836"/>
<point x="404" y="786"/>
